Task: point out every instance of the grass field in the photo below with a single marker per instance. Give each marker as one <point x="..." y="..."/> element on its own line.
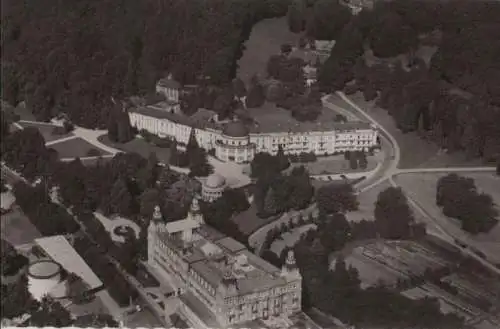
<point x="76" y="147"/>
<point x="421" y="187"/>
<point x="334" y="165"/>
<point x="139" y="146"/>
<point x="265" y="40"/>
<point x="17" y="228"/>
<point x="46" y="131"/>
<point x="415" y="151"/>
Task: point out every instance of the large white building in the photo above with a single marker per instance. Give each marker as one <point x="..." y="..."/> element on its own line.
<point x="221" y="282"/>
<point x="236" y="142"/>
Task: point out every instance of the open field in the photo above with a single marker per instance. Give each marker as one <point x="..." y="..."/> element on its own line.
<point x="139" y="146"/>
<point x="17" y="228"/>
<point x="46" y="130"/>
<point x="421" y="187"/>
<point x="289" y="239"/>
<point x="76" y="147"/>
<point x="335" y="164"/>
<point x="415" y="151"/>
<point x="265" y="40"/>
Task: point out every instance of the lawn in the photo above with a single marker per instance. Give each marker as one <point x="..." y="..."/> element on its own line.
<point x="46" y="130"/>
<point x="415" y="150"/>
<point x="421" y="187"/>
<point x="76" y="147"/>
<point x="334" y="165"/>
<point x="139" y="146"/>
<point x="265" y="40"/>
<point x="17" y="228"/>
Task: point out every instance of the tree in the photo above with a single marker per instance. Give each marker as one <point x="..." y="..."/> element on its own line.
<point x="77" y="289"/>
<point x="302" y="190"/>
<point x="198" y="163"/>
<point x="296" y="16"/>
<point x="16" y="299"/>
<point x="498" y="167"/>
<point x="148" y="201"/>
<point x="282" y="159"/>
<point x="119" y="200"/>
<point x="336" y="198"/>
<point x="95" y="321"/>
<point x="150" y="173"/>
<point x="334" y="231"/>
<point x="239" y="88"/>
<point x="50" y="314"/>
<point x="274" y="64"/>
<point x="11" y="260"/>
<point x="327" y="20"/>
<point x="270" y="203"/>
<point x="393" y="216"/>
<point x="256" y="97"/>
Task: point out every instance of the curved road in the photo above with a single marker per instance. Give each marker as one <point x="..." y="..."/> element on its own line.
<point x="393" y="170"/>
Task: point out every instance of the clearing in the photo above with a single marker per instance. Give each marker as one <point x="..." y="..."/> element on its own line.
<point x="17" y="229"/>
<point x="139" y="146"/>
<point x="265" y="40"/>
<point x="416" y="152"/>
<point x="76" y="148"/>
<point x="335" y="164"/>
<point x="46" y="130"/>
<point x="421" y="187"/>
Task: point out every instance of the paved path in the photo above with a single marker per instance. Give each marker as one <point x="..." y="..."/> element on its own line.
<point x="60" y="140"/>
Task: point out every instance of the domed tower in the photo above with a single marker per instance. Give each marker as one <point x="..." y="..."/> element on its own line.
<point x="195" y="212"/>
<point x="235" y="145"/>
<point x="213" y="187"/>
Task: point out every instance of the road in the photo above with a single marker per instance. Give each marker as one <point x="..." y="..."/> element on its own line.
<point x="392" y="170"/>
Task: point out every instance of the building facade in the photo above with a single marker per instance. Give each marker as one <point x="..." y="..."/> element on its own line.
<point x="232" y="284"/>
<point x="213" y="187"/>
<point x="235" y="142"/>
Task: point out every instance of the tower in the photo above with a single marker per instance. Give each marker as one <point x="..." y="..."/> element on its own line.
<point x="290" y="269"/>
<point x="195" y="212"/>
<point x="152" y="229"/>
<point x="291" y="273"/>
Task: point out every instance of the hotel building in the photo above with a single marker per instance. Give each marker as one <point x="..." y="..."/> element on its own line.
<point x="221" y="282"/>
<point x="236" y="142"/>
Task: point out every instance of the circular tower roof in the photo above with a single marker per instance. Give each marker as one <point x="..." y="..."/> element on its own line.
<point x="44" y="269"/>
<point x="215" y="181"/>
<point x="235" y="129"/>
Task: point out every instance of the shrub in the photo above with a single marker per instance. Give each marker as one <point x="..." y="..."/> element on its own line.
<point x="68" y="126"/>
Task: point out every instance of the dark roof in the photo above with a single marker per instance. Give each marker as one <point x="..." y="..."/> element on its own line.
<point x="235" y="129"/>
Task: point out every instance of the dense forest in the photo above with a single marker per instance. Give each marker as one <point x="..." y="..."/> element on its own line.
<point x="72" y="57"/>
<point x="453" y="98"/>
